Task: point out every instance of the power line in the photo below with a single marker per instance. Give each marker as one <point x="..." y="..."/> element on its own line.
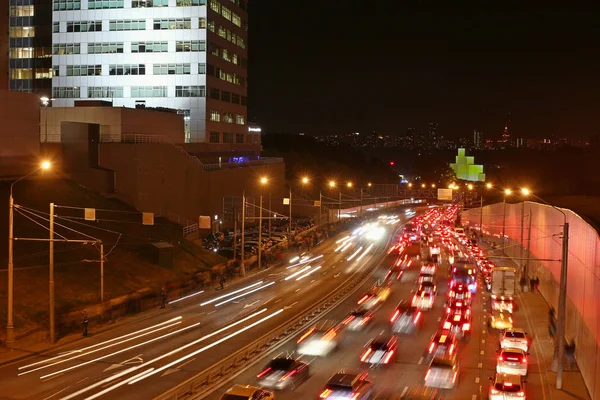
<point x="35" y="222"/>
<point x="57" y="224"/>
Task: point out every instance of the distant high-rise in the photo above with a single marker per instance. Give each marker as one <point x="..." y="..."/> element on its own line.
<point x="432" y="140"/>
<point x="506" y="139"/>
<point x="30" y="45"/>
<point x="477" y="139"/>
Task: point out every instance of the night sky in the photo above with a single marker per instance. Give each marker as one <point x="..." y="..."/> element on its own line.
<point x="335" y="66"/>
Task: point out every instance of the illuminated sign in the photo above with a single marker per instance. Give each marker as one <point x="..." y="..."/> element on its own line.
<point x="445" y="194"/>
<point x="251" y="129"/>
<point x="465" y="168"/>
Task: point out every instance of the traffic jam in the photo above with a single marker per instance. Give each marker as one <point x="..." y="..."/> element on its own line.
<point x="419" y="249"/>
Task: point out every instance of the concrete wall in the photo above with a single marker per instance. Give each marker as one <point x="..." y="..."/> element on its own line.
<point x="544" y="241"/>
<point x="19" y="133"/>
<point x="113" y="121"/>
<point x="152" y="177"/>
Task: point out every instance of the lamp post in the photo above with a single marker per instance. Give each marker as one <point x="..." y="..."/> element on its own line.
<point x="332" y="185"/>
<point x="45" y="101"/>
<point x="243" y="267"/>
<point x="506" y="193"/>
<point x="488" y="186"/>
<point x="304" y="181"/>
<point x="263" y="181"/>
<point x="559" y="348"/>
<point x="10" y="328"/>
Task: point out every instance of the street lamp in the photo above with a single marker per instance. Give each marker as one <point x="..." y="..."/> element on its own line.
<point x="470" y="186"/>
<point x="559" y="348"/>
<point x="263" y="181"/>
<point x="433" y="185"/>
<point x="507" y="192"/>
<point x="304" y="181"/>
<point x="10" y="328"/>
<point x="422" y="185"/>
<point x="410" y="185"/>
<point x="489" y="186"/>
<point x="369" y="184"/>
<point x="349" y="184"/>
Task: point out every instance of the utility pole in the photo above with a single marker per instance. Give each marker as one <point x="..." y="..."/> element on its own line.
<point x="480" y="215"/>
<point x="290" y="219"/>
<point x="522" y="233"/>
<point x="260" y="230"/>
<point x="320" y="206"/>
<point x="10" y="327"/>
<point x="526" y="268"/>
<point x="101" y="272"/>
<point x="243" y="267"/>
<point x="503" y="223"/>
<point x="562" y="304"/>
<point x="340" y="208"/>
<point x="51" y="284"/>
<point x="361" y="203"/>
<point x="270" y="215"/>
<point x="234" y="233"/>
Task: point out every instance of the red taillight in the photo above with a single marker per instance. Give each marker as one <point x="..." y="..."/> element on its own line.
<point x="417" y="317"/>
<point x="454" y="377"/>
<point x="427" y="374"/>
<point x="431" y="347"/>
<point x="263" y="373"/>
<point x="363" y="299"/>
<point x="289" y="374"/>
<point x="348" y="320"/>
<point x="395" y="316"/>
<point x="325" y="393"/>
<point x="524" y="360"/>
<point x="388" y="356"/>
<point x="311" y="330"/>
<point x="366" y="355"/>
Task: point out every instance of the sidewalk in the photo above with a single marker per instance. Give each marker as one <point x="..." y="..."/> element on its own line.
<point x="536" y="310"/>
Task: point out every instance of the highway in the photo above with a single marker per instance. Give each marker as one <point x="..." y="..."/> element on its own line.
<point x="143" y="359"/>
<point x="477" y="357"/>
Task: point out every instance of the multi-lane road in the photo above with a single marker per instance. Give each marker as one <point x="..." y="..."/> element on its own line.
<point x="144" y="359"/>
<point x="477" y="357"/>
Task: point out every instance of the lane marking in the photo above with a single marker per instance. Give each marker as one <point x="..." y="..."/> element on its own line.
<point x="420" y="361"/>
<point x="482" y="340"/>
<point x="477" y="380"/>
<point x="474" y="397"/>
<point x="60" y="391"/>
<point x="482" y="352"/>
<point x="480" y="365"/>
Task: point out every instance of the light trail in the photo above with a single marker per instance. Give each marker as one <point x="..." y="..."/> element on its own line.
<point x="295" y="274"/>
<point x="133" y="369"/>
<point x="119" y="352"/>
<point x="302" y="262"/>
<point x="229" y="294"/>
<point x="98" y="349"/>
<point x="354" y="254"/>
<point x="308" y="273"/>
<point x="194" y="353"/>
<point x="343" y="239"/>
<point x="122" y="383"/>
<point x="365" y="252"/>
<point x="98" y="344"/>
<point x="343" y="246"/>
<point x="187" y="297"/>
<point x="244" y="294"/>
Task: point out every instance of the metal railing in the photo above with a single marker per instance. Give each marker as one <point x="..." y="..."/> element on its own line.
<point x="189" y="226"/>
<point x="50" y="138"/>
<point x="228" y="165"/>
<point x="204" y="383"/>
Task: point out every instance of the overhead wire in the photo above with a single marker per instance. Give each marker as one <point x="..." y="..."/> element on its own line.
<point x="21" y="212"/>
<point x="57" y="224"/>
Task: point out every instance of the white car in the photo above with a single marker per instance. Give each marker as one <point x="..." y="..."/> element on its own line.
<point x="423" y="300"/>
<point x="512" y="361"/>
<point x="507" y="387"/>
<point x="503" y="305"/>
<point x="320" y="340"/>
<point x="514" y="338"/>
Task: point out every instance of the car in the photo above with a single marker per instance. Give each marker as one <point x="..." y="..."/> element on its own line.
<point x="380" y="350"/>
<point x="428" y="287"/>
<point x="369" y="301"/>
<point x="507" y="387"/>
<point x="320" y="340"/>
<point x="454" y="306"/>
<point x="382" y="292"/>
<point x="460" y="292"/>
<point x="358" y="319"/>
<point x="443" y="372"/>
<point x="500" y="320"/>
<point x="406" y="318"/>
<point x="512" y="361"/>
<point x="514" y="338"/>
<point x="443" y="343"/>
<point x="348" y="385"/>
<point x="428" y="269"/>
<point x="503" y="304"/>
<point x="247" y="392"/>
<point x="425" y="277"/>
<point x="423" y="300"/>
<point x="459" y="324"/>
<point x="283" y="373"/>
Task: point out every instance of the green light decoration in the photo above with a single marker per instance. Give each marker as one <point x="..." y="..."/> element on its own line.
<point x="465" y="168"/>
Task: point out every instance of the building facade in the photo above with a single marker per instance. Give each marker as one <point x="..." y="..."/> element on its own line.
<point x="187" y="55"/>
<point x="30" y="46"/>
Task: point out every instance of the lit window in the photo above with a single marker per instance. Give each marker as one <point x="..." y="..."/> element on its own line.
<point x="105" y="92"/>
<point x="239" y="119"/>
<point x="215" y="6"/>
<point x="21" y="73"/>
<point x="149" y="91"/>
<point x="190" y="45"/>
<point x="43" y="73"/>
<point x="22" y="31"/>
<point x="21" y="52"/>
<point x="226" y="13"/>
<point x="215" y="116"/>
<point x="228" y="118"/>
<point x="236" y="19"/>
<point x="67" y="48"/>
<point x="202" y="23"/>
<point x="211" y="26"/>
<point x="21" y="11"/>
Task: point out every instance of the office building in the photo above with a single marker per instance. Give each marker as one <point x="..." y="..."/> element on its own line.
<point x="187" y="55"/>
<point x="477" y="139"/>
<point x="29" y="46"/>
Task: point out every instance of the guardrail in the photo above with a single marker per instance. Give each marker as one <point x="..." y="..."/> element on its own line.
<point x="204" y="383"/>
<point x="189" y="226"/>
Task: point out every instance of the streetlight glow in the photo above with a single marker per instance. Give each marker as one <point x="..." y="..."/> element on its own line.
<point x="305" y="180"/>
<point x="422" y="185"/>
<point x="369" y="184"/>
<point x="488" y="185"/>
<point x="45" y="165"/>
<point x="433" y="185"/>
<point x="507" y="191"/>
<point x="349" y="184"/>
<point x="264" y="180"/>
<point x="410" y="185"/>
<point x="331" y="183"/>
<point x="470" y="186"/>
<point x="525" y="191"/>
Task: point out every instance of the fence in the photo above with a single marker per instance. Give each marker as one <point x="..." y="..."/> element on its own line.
<point x="533" y="231"/>
<point x="189" y="226"/>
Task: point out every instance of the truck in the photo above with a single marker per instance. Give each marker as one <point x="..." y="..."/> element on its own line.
<point x="503" y="288"/>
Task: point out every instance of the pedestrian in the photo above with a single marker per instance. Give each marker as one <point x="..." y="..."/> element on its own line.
<point x="222" y="281"/>
<point x="570" y="352"/>
<point x="532" y="284"/>
<point x="163" y="298"/>
<point x="523" y="283"/>
<point x="84" y="323"/>
<point x="537" y="284"/>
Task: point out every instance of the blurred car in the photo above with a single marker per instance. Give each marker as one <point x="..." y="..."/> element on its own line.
<point x="425" y="277"/>
<point x="459" y="324"/>
<point x="428" y="269"/>
<point x="423" y="300"/>
<point x="512" y="361"/>
<point x="348" y="385"/>
<point x="406" y="318"/>
<point x="507" y="387"/>
<point x="320" y="340"/>
<point x="380" y="350"/>
<point x="358" y="319"/>
<point x="500" y="320"/>
<point x="503" y="304"/>
<point x="443" y="372"/>
<point x="283" y="373"/>
<point x="442" y="344"/>
<point x="428" y="287"/>
<point x="460" y="292"/>
<point x="247" y="392"/>
<point x="382" y="292"/>
<point x="454" y="306"/>
<point x="514" y="338"/>
<point x="369" y="301"/>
